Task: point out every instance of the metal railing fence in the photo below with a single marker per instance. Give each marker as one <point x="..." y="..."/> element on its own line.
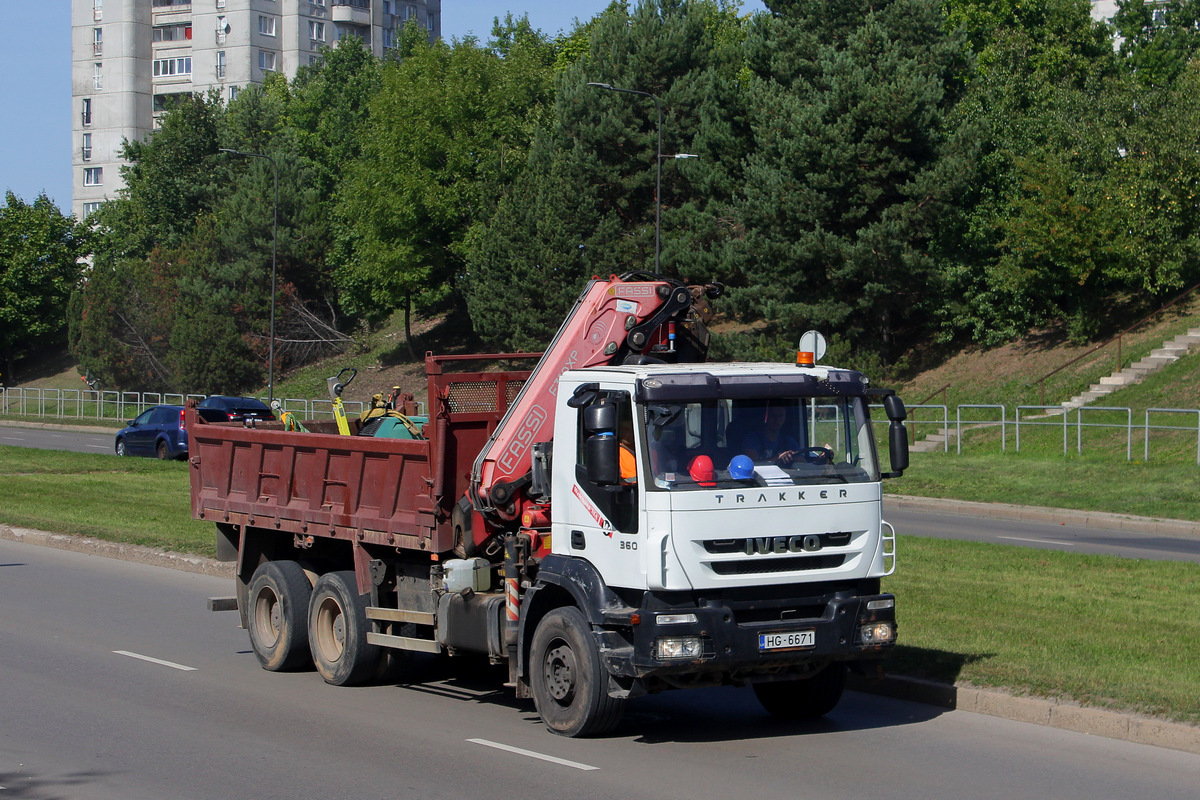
<point x="84" y="404"/>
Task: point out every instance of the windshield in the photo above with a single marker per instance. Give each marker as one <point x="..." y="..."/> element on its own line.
<point x="775" y="441"/>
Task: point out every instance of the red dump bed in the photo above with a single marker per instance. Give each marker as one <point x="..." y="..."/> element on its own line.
<point x="396" y="492"/>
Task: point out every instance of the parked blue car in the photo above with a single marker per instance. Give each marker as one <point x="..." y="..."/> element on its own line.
<point x="160" y="432"/>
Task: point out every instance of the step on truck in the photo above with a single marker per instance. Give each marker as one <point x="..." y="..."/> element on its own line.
<point x="620" y="519"/>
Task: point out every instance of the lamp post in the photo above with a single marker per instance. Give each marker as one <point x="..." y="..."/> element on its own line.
<point x="274" y="270"/>
<point x="658" y="168"/>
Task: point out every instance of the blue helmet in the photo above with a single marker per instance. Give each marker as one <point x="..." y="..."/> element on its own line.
<point x="741" y="468"/>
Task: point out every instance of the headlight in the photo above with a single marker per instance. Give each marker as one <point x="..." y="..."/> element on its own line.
<point x="877" y="633"/>
<point x="672" y="647"/>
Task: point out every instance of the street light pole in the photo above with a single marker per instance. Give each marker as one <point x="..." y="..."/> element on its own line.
<point x="274" y="265"/>
<point x="658" y="170"/>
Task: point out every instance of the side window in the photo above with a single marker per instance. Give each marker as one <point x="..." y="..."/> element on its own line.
<point x="618" y="504"/>
<point x="144" y="418"/>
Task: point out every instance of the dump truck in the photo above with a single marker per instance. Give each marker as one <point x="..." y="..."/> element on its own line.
<point x="613" y="517"/>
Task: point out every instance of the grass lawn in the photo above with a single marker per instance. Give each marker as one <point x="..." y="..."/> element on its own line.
<point x="1106" y="631"/>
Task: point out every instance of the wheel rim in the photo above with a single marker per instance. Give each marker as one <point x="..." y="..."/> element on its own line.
<point x="121" y="447"/>
<point x="331" y="630"/>
<point x="268" y="617"/>
<point x="559" y="668"/>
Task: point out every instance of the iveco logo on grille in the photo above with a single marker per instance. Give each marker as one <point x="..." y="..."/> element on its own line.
<point x="760" y="545"/>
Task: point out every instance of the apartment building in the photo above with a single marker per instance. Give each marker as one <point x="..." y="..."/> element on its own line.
<point x="130" y="56"/>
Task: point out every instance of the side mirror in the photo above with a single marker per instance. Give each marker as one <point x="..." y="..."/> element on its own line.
<point x="894" y="407"/>
<point x="898" y="445"/>
<point x="603" y="459"/>
<point x="600" y="417"/>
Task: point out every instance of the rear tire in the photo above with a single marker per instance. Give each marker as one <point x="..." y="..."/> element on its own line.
<point x="807" y="698"/>
<point x="163" y="451"/>
<point x="337" y="631"/>
<point x="569" y="685"/>
<point x="277" y="610"/>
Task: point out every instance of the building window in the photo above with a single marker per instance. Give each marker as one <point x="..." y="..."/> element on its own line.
<point x="87" y="111"/>
<point x="172" y="33"/>
<point x="222" y="29"/>
<point x="97" y="75"/>
<point x="410" y="12"/>
<point x="97" y="10"/>
<point x="316" y="31"/>
<point x="162" y="3"/>
<point x="221" y="64"/>
<point x="266" y="60"/>
<point x="431" y="21"/>
<point x="233" y="92"/>
<point x="220" y="3"/>
<point x="388" y="33"/>
<point x="266" y="26"/>
<point x="93" y="176"/>
<point x="87" y="147"/>
<point x="97" y="41"/>
<point x="169" y="67"/>
<point x="387" y="7"/>
<point x="90" y="208"/>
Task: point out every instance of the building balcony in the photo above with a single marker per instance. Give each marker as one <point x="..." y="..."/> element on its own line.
<point x="351" y="12"/>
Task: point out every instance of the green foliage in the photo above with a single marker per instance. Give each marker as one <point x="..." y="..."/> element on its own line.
<point x="449" y="126"/>
<point x="1158" y="40"/>
<point x="854" y="167"/>
<point x="586" y="204"/>
<point x="39" y="266"/>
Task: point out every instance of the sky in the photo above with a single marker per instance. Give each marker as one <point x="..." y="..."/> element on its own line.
<point x="35" y="79"/>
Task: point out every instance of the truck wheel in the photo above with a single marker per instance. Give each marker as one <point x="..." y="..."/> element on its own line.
<point x="337" y="631"/>
<point x="278" y="615"/>
<point x="807" y="698"/>
<point x="568" y="682"/>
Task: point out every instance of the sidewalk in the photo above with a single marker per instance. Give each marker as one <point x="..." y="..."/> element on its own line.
<point x="1039" y="711"/>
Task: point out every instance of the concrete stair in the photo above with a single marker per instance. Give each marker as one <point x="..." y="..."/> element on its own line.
<point x="1170" y="352"/>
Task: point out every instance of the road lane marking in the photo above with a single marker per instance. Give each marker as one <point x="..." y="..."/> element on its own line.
<point x="159" y="661"/>
<point x="1037" y="541"/>
<point x="532" y="754"/>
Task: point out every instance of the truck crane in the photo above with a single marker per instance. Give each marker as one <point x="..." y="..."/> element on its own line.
<point x="509" y="529"/>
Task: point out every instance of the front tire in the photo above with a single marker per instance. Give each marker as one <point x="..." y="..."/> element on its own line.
<point x="568" y="683"/>
<point x="278" y="600"/>
<point x="337" y="631"/>
<point x="807" y="698"/>
<point x="121" y="448"/>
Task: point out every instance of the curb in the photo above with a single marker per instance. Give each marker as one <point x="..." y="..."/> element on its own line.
<point x="1039" y="711"/>
<point x="122" y="552"/>
<point x="1062" y="516"/>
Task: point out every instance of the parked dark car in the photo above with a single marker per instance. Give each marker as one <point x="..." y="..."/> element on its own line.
<point x="237" y="409"/>
<point x="160" y="432"/>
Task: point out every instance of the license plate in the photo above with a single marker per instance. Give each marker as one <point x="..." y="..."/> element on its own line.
<point x="787" y="640"/>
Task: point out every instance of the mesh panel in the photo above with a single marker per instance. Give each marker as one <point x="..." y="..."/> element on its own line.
<point x="472" y="397"/>
<point x="513" y="389"/>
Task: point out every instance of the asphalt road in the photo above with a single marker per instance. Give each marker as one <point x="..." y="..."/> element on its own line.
<point x="86" y="715"/>
<point x="77" y="441"/>
<point x="1051" y="536"/>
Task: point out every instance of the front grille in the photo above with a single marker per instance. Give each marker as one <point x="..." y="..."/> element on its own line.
<point x="726" y="546"/>
<point x="762" y="566"/>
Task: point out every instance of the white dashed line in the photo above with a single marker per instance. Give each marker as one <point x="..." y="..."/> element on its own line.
<point x="532" y="754"/>
<point x="159" y="661"/>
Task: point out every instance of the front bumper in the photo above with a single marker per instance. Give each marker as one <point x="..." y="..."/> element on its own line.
<point x="729" y="636"/>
